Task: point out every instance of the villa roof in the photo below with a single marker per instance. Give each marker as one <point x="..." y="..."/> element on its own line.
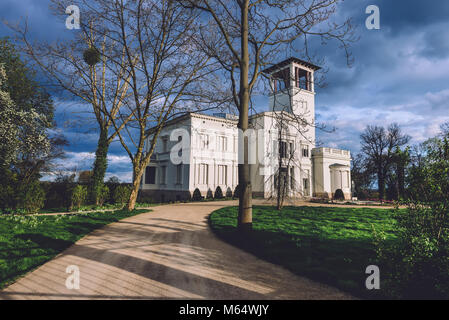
<point x="288" y="61"/>
<point x="189" y="115"/>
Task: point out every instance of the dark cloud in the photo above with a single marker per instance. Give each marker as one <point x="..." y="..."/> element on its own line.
<point x="400" y="74"/>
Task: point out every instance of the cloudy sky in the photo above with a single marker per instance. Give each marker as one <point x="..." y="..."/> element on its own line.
<point x="400" y="74"/>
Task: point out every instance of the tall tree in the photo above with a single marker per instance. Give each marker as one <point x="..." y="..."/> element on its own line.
<point x="362" y="174"/>
<point x="253" y="34"/>
<point x="27" y="116"/>
<point x="445" y="129"/>
<point x="88" y="69"/>
<point x="379" y="147"/>
<point x="27" y="147"/>
<point x="151" y="45"/>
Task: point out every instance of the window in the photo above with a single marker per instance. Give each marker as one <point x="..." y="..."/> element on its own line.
<point x="179" y="174"/>
<point x="222" y="143"/>
<point x="164" y="144"/>
<point x="281" y="80"/>
<point x="163" y="175"/>
<point x="292" y="149"/>
<point x="303" y="79"/>
<point x="150" y="175"/>
<point x="222" y="175"/>
<point x="202" y="174"/>
<point x="283" y="149"/>
<point x="306" y="186"/>
<point x="305" y="151"/>
<point x="292" y="178"/>
<point x="203" y="141"/>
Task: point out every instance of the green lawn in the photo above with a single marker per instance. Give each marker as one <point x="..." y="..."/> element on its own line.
<point x="29" y="241"/>
<point x="328" y="244"/>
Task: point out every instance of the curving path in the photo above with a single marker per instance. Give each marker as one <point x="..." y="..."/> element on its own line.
<point x="169" y="253"/>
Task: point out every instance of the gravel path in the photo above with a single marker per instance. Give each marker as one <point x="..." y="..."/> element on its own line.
<point x="169" y="253"/>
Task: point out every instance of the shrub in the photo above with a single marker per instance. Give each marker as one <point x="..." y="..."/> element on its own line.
<point x="7" y="196"/>
<point x="79" y="196"/>
<point x="145" y="199"/>
<point x="209" y="194"/>
<point x="121" y="194"/>
<point x="197" y="195"/>
<point x="228" y="193"/>
<point x="236" y="192"/>
<point x="59" y="192"/>
<point x="338" y="195"/>
<point x="362" y="195"/>
<point x="416" y="265"/>
<point x="31" y="197"/>
<point x="218" y="193"/>
<point x="103" y="194"/>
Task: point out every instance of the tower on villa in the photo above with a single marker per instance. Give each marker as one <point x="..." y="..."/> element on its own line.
<point x="213" y="151"/>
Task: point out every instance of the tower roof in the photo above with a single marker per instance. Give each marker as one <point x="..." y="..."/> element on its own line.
<point x="288" y="61"/>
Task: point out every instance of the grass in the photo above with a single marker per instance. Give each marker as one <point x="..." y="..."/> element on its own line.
<point x="332" y="245"/>
<point x="92" y="207"/>
<point x="27" y="242"/>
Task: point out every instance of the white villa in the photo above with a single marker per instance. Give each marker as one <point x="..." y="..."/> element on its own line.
<point x="283" y="143"/>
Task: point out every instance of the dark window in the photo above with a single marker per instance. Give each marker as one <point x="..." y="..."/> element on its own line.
<point x="305" y="152"/>
<point x="283" y="149"/>
<point x="150" y="175"/>
<point x="281" y="80"/>
<point x="303" y="79"/>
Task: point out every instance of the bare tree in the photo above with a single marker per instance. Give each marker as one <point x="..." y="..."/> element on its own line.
<point x="445" y="129"/>
<point x="379" y="147"/>
<point x="362" y="174"/>
<point x="87" y="68"/>
<point x="165" y="68"/>
<point x="252" y="34"/>
<point x="149" y="70"/>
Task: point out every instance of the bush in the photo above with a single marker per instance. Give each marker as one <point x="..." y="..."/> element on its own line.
<point x="362" y="194"/>
<point x="237" y="192"/>
<point x="218" y="193"/>
<point x="79" y="196"/>
<point x="121" y="194"/>
<point x="209" y="194"/>
<point x="416" y="265"/>
<point x="59" y="192"/>
<point x="229" y="193"/>
<point x="7" y="196"/>
<point x="145" y="199"/>
<point x="197" y="195"/>
<point x="338" y="195"/>
<point x="31" y="197"/>
<point x="103" y="195"/>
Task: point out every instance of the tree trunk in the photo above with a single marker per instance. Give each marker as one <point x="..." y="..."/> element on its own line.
<point x="401" y="181"/>
<point x="245" y="217"/>
<point x="100" y="165"/>
<point x="381" y="184"/>
<point x="137" y="177"/>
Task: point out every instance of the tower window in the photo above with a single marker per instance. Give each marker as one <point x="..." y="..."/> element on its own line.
<point x="281" y="80"/>
<point x="303" y="79"/>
